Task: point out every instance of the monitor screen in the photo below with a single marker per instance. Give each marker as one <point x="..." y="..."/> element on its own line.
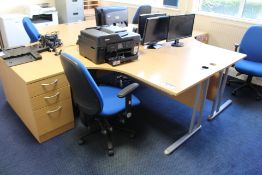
<point x="142" y="21"/>
<point x="156" y="29"/>
<point x="180" y="26"/>
<point x="111" y="15"/>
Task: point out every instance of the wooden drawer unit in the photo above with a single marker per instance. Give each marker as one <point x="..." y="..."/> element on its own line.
<point x="51" y="106"/>
<point x="44" y="105"/>
<point x="47" y="85"/>
<point x="53" y="117"/>
<point x="51" y="98"/>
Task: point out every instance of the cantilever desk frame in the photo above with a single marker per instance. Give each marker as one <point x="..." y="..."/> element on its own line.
<point x="162" y="81"/>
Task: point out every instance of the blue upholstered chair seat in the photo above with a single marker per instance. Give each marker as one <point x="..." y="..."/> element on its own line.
<point x="113" y="105"/>
<point x="249" y="67"/>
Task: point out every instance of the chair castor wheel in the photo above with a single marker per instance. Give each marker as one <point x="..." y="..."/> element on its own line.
<point x="81" y="142"/>
<point x="234" y="93"/>
<point x="110" y="152"/>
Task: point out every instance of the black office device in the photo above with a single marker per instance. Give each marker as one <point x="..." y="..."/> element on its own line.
<point x="180" y="27"/>
<point x="108" y="44"/>
<point x="142" y="21"/>
<point x="20" y="55"/>
<point x="111" y="15"/>
<point x="156" y="29"/>
<point x="51" y="41"/>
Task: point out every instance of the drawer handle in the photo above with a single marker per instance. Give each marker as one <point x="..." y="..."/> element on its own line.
<point x="53" y="96"/>
<point x="53" y="83"/>
<point x="53" y="111"/>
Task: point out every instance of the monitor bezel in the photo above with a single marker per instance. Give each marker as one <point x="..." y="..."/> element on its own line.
<point x="148" y="19"/>
<point x="151" y="15"/>
<point x="178" y="38"/>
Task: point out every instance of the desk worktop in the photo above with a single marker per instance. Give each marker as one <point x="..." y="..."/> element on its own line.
<point x="171" y="69"/>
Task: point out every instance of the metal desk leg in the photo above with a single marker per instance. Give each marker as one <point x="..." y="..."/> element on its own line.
<point x="217" y="108"/>
<point x="193" y="128"/>
<point x="203" y="103"/>
<point x="214" y="106"/>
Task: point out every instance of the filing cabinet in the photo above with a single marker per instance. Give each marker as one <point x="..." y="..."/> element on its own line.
<point x="70" y="10"/>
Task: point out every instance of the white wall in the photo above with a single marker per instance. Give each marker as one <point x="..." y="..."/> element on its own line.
<point x="16" y="6"/>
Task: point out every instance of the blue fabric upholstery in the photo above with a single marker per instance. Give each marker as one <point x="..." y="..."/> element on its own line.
<point x="96" y="103"/>
<point x="89" y="78"/>
<point x="251" y="46"/>
<point x="107" y="95"/>
<point x="113" y="104"/>
<point x="249" y="67"/>
<point x="31" y="30"/>
<point x="143" y="9"/>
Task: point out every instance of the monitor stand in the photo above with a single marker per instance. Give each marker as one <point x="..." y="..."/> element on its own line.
<point x="176" y="43"/>
<point x="154" y="46"/>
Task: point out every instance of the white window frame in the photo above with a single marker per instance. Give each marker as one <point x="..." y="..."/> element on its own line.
<point x="238" y="17"/>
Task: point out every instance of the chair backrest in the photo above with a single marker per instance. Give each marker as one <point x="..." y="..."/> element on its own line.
<point x="31" y="30"/>
<point x="251" y="44"/>
<point x="143" y="9"/>
<point x="85" y="92"/>
<point x="111" y="15"/>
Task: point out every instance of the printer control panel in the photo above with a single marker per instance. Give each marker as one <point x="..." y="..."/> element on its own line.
<point x="119" y="53"/>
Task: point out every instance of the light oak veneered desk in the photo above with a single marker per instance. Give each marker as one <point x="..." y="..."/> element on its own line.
<point x="176" y="72"/>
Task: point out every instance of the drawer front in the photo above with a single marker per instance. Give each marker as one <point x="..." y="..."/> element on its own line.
<point x="53" y="117"/>
<point x="47" y="85"/>
<point x="51" y="98"/>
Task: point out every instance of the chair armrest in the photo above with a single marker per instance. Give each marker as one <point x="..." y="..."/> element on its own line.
<point x="127" y="90"/>
<point x="236" y="46"/>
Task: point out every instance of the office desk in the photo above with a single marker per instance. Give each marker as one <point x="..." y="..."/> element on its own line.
<point x="176" y="72"/>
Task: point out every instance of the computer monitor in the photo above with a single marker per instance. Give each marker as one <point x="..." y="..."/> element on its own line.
<point x="111" y="15"/>
<point x="142" y="21"/>
<point x="156" y="29"/>
<point x="180" y="27"/>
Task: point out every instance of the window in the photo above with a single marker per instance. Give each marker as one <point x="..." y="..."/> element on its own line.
<point x="170" y="2"/>
<point x="251" y="9"/>
<point x="156" y="3"/>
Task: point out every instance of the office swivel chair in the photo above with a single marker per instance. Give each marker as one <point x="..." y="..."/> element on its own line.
<point x="143" y="9"/>
<point x="111" y="15"/>
<point x="98" y="103"/>
<point x="251" y="65"/>
<point x="31" y="30"/>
